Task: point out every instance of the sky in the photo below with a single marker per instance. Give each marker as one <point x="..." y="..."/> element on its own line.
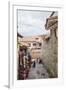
<point x="31" y="23"/>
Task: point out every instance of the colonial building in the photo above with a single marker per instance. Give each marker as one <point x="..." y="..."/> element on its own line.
<point x="34" y="45"/>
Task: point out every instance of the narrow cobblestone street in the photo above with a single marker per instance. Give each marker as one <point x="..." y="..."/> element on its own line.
<point x="38" y="47"/>
<point x="38" y="72"/>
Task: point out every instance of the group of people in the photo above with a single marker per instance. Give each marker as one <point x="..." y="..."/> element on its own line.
<point x="24" y="57"/>
<point x="24" y="63"/>
<point x="38" y="60"/>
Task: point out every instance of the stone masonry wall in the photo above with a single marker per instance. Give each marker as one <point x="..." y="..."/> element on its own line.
<point x="50" y="55"/>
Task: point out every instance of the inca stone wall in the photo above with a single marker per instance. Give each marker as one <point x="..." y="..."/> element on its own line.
<point x="50" y="51"/>
<point x="50" y="55"/>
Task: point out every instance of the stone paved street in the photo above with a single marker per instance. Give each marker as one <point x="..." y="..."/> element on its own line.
<point x="38" y="72"/>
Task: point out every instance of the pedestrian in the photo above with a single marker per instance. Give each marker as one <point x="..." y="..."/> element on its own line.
<point x="34" y="64"/>
<point x="40" y="61"/>
<point x="29" y="59"/>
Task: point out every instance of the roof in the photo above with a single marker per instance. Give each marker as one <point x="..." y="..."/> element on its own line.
<point x="51" y="22"/>
<point x="19" y="35"/>
<point x="31" y="39"/>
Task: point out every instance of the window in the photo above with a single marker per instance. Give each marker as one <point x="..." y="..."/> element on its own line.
<point x="40" y="44"/>
<point x="34" y="44"/>
<point x="37" y="38"/>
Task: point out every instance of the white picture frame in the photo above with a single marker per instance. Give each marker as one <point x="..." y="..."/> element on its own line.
<point x="13" y="82"/>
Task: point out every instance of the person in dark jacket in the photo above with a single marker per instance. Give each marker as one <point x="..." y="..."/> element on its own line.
<point x="34" y="64"/>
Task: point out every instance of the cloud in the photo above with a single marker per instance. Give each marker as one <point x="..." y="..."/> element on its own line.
<point x="31" y="22"/>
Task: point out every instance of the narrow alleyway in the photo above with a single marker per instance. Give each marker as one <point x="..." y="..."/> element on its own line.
<point x="38" y="72"/>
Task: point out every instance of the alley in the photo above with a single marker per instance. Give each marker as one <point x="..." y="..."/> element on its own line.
<point x="38" y="72"/>
<point x="37" y="49"/>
